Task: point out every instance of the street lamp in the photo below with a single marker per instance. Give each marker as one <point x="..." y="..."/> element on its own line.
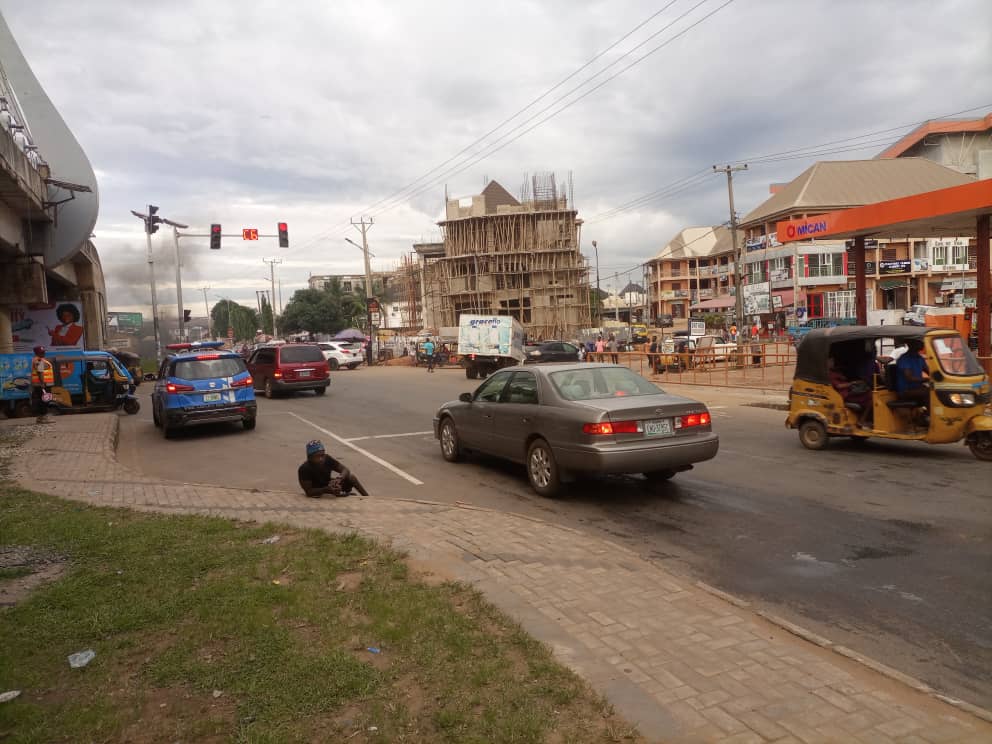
<point x="599" y="299"/>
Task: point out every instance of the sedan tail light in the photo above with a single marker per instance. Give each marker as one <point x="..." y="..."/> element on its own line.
<point x="277" y="374"/>
<point x="246" y="382"/>
<point x="175" y="387"/>
<point x="692" y="419"/>
<point x="613" y="427"/>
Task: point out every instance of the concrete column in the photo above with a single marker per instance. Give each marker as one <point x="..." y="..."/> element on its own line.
<point x="6" y="332"/>
<point x="983" y="304"/>
<point x="860" y="301"/>
<point x="94" y="318"/>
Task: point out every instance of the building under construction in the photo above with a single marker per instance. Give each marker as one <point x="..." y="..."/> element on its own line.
<point x="506" y="256"/>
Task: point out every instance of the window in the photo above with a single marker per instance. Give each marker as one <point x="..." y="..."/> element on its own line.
<point x="593" y="384"/>
<point x="920" y="249"/>
<point x="300" y="354"/>
<point x="491" y="389"/>
<point x="842" y="304"/>
<point x="676" y="286"/>
<point x="522" y="389"/>
<point x="889" y="254"/>
<point x="815" y="305"/>
<point x="206" y="369"/>
<point x="959" y="254"/>
<point x="955" y="358"/>
<point x="570" y="349"/>
<point x="939" y="254"/>
<point x="826" y="264"/>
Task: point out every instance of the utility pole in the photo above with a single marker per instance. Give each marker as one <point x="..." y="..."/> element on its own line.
<point x="179" y="276"/>
<point x="206" y="308"/>
<point x="272" y="280"/>
<point x="363" y="227"/>
<point x="151" y="225"/>
<point x="738" y="267"/>
<point x="599" y="307"/>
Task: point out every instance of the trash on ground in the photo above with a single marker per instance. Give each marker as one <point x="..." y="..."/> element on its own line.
<point x="81" y="658"/>
<point x="6" y="697"/>
<point x="271" y="540"/>
<point x="218" y="693"/>
<point x="275" y="581"/>
<point x="374" y="650"/>
<point x="373" y="729"/>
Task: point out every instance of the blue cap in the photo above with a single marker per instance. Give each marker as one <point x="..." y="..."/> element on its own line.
<point x="314" y="446"/>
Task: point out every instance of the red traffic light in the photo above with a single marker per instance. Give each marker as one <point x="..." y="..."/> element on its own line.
<point x="215" y="236"/>
<point x="283" y="226"/>
<point x="283" y="234"/>
<point x="215" y="228"/>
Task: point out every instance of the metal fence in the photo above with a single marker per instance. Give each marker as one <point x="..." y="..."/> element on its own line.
<point x="769" y="366"/>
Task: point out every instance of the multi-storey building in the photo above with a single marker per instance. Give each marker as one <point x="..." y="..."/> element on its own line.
<point x="964" y="145"/>
<point x="694" y="271"/>
<point x="818" y="273"/>
<point x="505" y="256"/>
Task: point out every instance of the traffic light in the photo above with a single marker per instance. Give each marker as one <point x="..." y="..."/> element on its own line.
<point x="283" y="235"/>
<point x="153" y="222"/>
<point x="187" y="314"/>
<point x="215" y="237"/>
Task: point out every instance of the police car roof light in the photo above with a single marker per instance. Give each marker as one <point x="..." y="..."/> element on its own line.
<point x="196" y="345"/>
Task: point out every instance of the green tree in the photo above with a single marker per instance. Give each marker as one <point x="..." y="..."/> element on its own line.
<point x="268" y="322"/>
<point x="226" y="314"/>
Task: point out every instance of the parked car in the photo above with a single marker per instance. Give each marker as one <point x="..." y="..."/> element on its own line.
<point x="551" y="351"/>
<point x="200" y="383"/>
<point x="574" y="419"/>
<point x="341" y="354"/>
<point x="289" y="368"/>
<point x="917" y="315"/>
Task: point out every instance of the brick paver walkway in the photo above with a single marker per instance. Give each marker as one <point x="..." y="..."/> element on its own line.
<point x="681" y="663"/>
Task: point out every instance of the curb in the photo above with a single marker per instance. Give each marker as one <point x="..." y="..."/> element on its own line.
<point x="780" y="622"/>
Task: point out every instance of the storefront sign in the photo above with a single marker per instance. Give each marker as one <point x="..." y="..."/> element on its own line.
<point x="667" y="294"/>
<point x="852" y="268"/>
<point x="952" y="285"/>
<point x="921" y="264"/>
<point x="779" y="275"/>
<point x="869" y="243"/>
<point x="894" y="267"/>
<point x="761" y="288"/>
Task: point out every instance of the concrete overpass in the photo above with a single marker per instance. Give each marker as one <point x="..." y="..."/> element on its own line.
<point x="48" y="208"/>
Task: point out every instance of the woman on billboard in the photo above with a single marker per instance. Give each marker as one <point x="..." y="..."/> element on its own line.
<point x="69" y="331"/>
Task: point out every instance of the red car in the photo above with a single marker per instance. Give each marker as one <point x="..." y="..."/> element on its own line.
<point x="288" y="368"/>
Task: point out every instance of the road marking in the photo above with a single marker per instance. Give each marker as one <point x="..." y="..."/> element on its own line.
<point x="389" y="436"/>
<point x="378" y="460"/>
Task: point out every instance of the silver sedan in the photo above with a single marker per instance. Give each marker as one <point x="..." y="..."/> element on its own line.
<point x="565" y="419"/>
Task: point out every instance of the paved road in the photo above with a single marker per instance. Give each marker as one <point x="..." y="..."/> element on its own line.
<point x="883" y="547"/>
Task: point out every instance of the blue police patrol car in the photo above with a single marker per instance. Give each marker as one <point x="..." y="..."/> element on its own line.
<point x="200" y="383"/>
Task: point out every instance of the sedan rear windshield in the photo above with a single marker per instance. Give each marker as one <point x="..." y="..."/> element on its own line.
<point x="603" y="382"/>
<point x="300" y="354"/>
<point x="205" y="369"/>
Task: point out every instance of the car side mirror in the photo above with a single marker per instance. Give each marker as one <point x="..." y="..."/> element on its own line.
<point x="465" y="397"/>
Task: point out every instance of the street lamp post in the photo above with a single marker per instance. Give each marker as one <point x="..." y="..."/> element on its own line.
<point x="599" y="309"/>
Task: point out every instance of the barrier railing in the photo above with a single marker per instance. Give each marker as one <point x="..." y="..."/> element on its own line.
<point x="768" y="366"/>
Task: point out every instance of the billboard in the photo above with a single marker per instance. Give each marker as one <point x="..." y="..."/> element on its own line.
<point x="58" y="326"/>
<point x="124" y="322"/>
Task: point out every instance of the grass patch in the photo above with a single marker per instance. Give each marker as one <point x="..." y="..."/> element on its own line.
<point x="204" y="633"/>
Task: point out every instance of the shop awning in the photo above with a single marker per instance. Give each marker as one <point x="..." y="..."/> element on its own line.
<point x="893" y="283"/>
<point x="717" y="303"/>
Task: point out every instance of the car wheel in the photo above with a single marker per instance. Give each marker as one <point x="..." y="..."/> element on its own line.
<point x="167" y="431"/>
<point x="249" y="423"/>
<point x="334" y="364"/>
<point x="813" y="434"/>
<point x="450" y="448"/>
<point x="132" y="406"/>
<point x="320" y="390"/>
<point x="269" y="392"/>
<point x="542" y="470"/>
<point x="156" y="419"/>
<point x="354" y="366"/>
<point x="657" y="477"/>
<point x="471" y="372"/>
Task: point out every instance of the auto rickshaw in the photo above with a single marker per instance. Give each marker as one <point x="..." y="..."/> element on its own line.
<point x="131" y="362"/>
<point x="91" y="381"/>
<point x="949" y="407"/>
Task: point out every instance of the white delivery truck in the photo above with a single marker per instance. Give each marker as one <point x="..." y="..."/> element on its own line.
<point x="488" y="342"/>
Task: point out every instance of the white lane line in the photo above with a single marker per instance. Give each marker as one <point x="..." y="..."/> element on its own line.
<point x="389" y="436"/>
<point x="378" y="460"/>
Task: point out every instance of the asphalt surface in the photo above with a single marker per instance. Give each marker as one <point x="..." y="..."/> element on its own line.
<point x="882" y="546"/>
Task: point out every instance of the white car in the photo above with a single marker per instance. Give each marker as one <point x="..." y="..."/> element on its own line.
<point x="341" y="354"/>
<point x="917" y="315"/>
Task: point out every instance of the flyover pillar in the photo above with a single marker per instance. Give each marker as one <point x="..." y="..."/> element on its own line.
<point x="860" y="285"/>
<point x="6" y="331"/>
<point x="983" y="303"/>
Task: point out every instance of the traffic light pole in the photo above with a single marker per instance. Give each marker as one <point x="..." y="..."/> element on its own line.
<point x="151" y="278"/>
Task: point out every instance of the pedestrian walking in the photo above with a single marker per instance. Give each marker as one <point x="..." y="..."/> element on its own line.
<point x="653" y="354"/>
<point x="429" y="354"/>
<point x="42" y="380"/>
<point x="733" y="332"/>
<point x="611" y="345"/>
<point x="600" y="350"/>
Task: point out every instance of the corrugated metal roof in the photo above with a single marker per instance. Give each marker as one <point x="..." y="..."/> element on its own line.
<point x="830" y="185"/>
<point x="699" y="242"/>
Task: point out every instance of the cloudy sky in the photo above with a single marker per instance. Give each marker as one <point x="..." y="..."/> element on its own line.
<point x="314" y="112"/>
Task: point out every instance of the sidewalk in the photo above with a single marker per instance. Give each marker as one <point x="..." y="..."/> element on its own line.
<point x="678" y="660"/>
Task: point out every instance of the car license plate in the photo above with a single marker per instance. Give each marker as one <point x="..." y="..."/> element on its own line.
<point x="211" y="397"/>
<point x="305" y="372"/>
<point x="658" y="428"/>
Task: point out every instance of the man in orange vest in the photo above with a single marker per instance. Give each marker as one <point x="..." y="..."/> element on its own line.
<point x="42" y="379"/>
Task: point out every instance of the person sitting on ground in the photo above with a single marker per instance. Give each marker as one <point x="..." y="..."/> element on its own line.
<point x="912" y="374"/>
<point x="852" y="391"/>
<point x="315" y="475"/>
